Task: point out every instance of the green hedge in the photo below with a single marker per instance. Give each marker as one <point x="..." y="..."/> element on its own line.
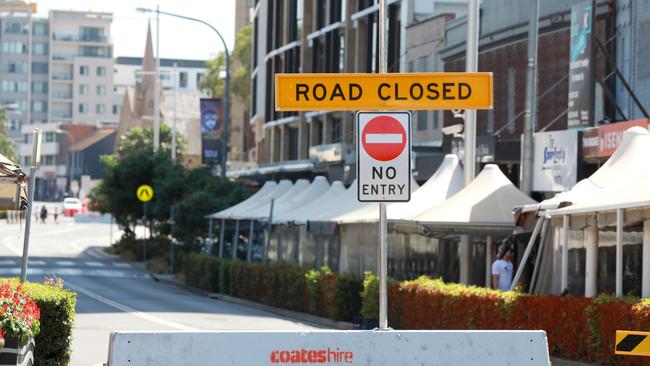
<point x="53" y="343"/>
<point x="319" y="292"/>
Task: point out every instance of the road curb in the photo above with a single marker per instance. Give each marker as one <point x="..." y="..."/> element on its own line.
<point x="294" y="315"/>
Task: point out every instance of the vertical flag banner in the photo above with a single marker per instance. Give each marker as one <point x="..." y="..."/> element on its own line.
<point x="581" y="66"/>
<point x="211" y="131"/>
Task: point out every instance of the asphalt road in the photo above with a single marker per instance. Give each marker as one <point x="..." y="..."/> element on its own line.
<point x="116" y="295"/>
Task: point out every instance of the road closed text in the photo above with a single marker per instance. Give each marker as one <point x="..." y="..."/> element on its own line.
<point x="383" y="91"/>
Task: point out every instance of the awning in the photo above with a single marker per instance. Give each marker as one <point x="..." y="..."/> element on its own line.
<point x="13" y="188"/>
<point x="328" y="199"/>
<point x="262" y="211"/>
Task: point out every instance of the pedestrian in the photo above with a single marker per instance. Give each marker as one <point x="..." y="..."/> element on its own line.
<point x="43" y="214"/>
<point x="502" y="267"/>
<point x="56" y="215"/>
<point x="36" y="212"/>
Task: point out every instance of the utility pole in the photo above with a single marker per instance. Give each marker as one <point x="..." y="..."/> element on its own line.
<point x="530" y="112"/>
<point x="174" y="117"/>
<point x="383" y="225"/>
<point x="469" y="163"/>
<point x="156" y="100"/>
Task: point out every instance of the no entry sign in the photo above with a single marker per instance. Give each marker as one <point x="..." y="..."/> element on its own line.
<point x="384" y="156"/>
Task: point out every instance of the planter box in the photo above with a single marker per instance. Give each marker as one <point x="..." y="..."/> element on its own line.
<point x="13" y="354"/>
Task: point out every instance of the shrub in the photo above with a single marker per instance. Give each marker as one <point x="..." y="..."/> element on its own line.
<point x="19" y="314"/>
<point x="347" y="299"/>
<point x="53" y="343"/>
<point x="132" y="249"/>
<point x="202" y="271"/>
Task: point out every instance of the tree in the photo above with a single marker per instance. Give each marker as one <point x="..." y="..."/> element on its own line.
<point x="7" y="146"/>
<point x="240" y="69"/>
<point x="141" y="139"/>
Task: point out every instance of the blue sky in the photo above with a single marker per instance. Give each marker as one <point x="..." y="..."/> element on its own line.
<point x="178" y="38"/>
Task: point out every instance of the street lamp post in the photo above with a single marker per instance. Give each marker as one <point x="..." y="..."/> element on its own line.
<point x="224" y="150"/>
<point x="72" y="156"/>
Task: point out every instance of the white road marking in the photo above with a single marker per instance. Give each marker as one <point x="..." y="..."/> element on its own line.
<point x="36" y="263"/>
<point x="7" y="242"/>
<point x="7" y="263"/>
<point x="383" y="138"/>
<point x="7" y="271"/>
<point x="65" y="263"/>
<point x="121" y="265"/>
<point x="128" y="309"/>
<point x="94" y="264"/>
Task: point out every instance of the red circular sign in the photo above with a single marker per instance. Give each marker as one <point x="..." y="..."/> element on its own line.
<point x="383" y="138"/>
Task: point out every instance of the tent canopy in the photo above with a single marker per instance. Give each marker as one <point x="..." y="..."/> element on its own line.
<point x="316" y="207"/>
<point x="487" y="202"/>
<point x="628" y="162"/>
<point x="262" y="211"/>
<point x="445" y="182"/>
<point x="314" y="191"/>
<point x="268" y="191"/>
<point x="619" y="184"/>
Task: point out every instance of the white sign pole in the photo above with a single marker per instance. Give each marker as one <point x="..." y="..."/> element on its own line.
<point x="383" y="227"/>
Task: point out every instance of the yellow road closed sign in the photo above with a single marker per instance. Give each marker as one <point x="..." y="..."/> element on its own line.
<point x="412" y="91"/>
<point x="144" y="193"/>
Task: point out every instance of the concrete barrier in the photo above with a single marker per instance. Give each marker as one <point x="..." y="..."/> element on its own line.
<point x="444" y="348"/>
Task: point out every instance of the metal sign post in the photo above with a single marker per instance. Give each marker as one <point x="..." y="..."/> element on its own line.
<point x="36" y="161"/>
<point x="144" y="194"/>
<point x="383" y="227"/>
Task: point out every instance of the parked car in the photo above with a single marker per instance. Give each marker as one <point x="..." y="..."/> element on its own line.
<point x="71" y="206"/>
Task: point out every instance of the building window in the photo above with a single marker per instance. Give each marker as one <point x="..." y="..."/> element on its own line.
<point x="199" y="78"/>
<point x="83" y="108"/>
<point x="83" y="89"/>
<point x="411" y="66"/>
<point x="101" y="71"/>
<point x="40" y="29"/>
<point x="510" y="100"/>
<point x="336" y="131"/>
<point x="39" y="67"/>
<point x="101" y="90"/>
<point x="39" y="106"/>
<point x="83" y="70"/>
<point x="14" y="47"/>
<point x="40" y="48"/>
<point x="182" y="76"/>
<point x="116" y="109"/>
<point x="293" y="143"/>
<point x="422" y="120"/>
<point x="14" y="86"/>
<point x="423" y="63"/>
<point x="14" y="27"/>
<point x="14" y="67"/>
<point x="27" y="160"/>
<point x="49" y="160"/>
<point x="99" y="109"/>
<point x="14" y="124"/>
<point x="50" y="136"/>
<point x="93" y="51"/>
<point x="39" y="87"/>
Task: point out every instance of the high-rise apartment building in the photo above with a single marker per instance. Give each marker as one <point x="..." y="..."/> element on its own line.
<point x="54" y="72"/>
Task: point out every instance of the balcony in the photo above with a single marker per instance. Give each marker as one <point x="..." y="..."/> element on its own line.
<point x="62" y="37"/>
<point x="62" y="114"/>
<point x="331" y="153"/>
<point x="62" y="77"/>
<point x="63" y="57"/>
<point x="61" y="95"/>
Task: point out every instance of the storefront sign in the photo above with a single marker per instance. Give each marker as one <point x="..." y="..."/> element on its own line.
<point x="414" y="91"/>
<point x="581" y="68"/>
<point x="555" y="163"/>
<point x="602" y="141"/>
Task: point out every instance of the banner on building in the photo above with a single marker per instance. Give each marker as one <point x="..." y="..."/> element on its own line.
<point x="555" y="163"/>
<point x="581" y="68"/>
<point x="602" y="141"/>
<point x="211" y="131"/>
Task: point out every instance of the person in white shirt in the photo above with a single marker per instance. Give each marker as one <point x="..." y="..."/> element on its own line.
<point x="502" y="268"/>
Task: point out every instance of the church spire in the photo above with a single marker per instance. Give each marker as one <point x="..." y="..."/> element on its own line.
<point x="148" y="61"/>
